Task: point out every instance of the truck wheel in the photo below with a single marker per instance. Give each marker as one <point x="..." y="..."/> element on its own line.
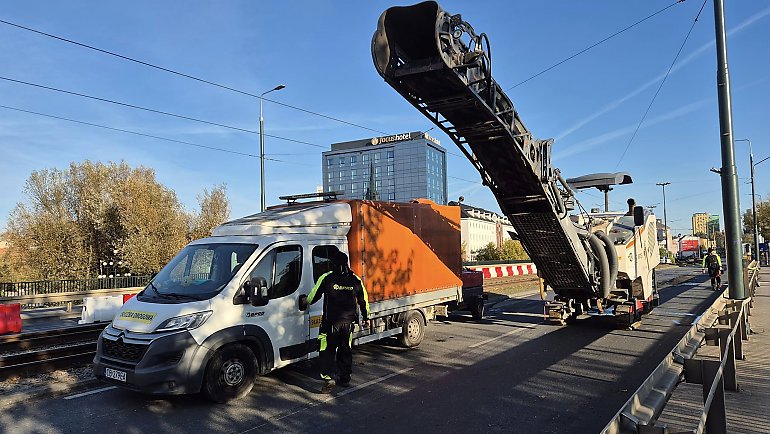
<point x="413" y="330"/>
<point x="230" y="374"/>
<point x="477" y="310"/>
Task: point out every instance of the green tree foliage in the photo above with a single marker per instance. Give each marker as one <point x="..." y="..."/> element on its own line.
<point x="511" y="250"/>
<point x="488" y="253"/>
<point x="75" y="218"/>
<point x="214" y="210"/>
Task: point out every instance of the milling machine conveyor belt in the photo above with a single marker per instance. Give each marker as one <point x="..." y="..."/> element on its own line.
<point x="437" y="62"/>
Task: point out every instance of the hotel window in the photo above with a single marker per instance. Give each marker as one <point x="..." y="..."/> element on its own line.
<point x="330" y="161"/>
<point x="390" y="169"/>
<point x="353" y="159"/>
<point x="390" y="155"/>
<point x="376" y="157"/>
<point x="342" y="161"/>
<point x="352" y="173"/>
<point x="365" y="158"/>
<point x="391" y="196"/>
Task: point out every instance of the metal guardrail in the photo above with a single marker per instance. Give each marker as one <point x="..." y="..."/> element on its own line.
<point x="641" y="411"/>
<point x="70" y="298"/>
<point x="11" y="289"/>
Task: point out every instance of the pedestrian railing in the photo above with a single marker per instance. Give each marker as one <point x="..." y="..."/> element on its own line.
<point x="39" y="294"/>
<point x="643" y="408"/>
<point x="9" y="289"/>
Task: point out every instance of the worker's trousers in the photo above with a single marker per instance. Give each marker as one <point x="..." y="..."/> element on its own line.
<point x="335" y="356"/>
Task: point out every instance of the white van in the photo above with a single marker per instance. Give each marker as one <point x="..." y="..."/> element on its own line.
<point x="233" y="306"/>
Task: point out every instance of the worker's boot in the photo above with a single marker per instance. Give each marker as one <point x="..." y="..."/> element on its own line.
<point x="328" y="386"/>
<point x="344" y="381"/>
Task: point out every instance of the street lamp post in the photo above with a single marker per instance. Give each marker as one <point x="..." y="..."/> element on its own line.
<point x="755" y="255"/>
<point x="665" y="219"/>
<point x="262" y="147"/>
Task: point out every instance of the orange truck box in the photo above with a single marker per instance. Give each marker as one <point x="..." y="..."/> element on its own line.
<point x="402" y="249"/>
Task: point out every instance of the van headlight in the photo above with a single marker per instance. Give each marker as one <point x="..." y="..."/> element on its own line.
<point x="188" y="322"/>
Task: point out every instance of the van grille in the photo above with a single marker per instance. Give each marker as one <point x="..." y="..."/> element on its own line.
<point x="123" y="351"/>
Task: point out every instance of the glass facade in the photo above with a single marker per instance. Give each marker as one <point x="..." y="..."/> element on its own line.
<point x="402" y="170"/>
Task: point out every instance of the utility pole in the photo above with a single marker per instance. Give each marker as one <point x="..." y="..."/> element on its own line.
<point x="755" y="256"/>
<point x="728" y="172"/>
<point x="665" y="219"/>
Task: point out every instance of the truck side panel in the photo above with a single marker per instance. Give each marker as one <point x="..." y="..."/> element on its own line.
<point x="402" y="249"/>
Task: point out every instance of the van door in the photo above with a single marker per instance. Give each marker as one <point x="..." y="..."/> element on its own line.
<point x="321" y="263"/>
<point x="287" y="324"/>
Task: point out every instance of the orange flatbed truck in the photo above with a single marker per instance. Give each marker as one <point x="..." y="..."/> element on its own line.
<point x="233" y="306"/>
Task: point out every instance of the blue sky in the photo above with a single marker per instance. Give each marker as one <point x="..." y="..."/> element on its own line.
<point x="321" y="51"/>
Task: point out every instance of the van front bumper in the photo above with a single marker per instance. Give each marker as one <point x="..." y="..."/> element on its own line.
<point x="155" y="363"/>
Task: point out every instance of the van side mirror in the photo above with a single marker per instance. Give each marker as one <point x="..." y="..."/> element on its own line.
<point x="638" y="216"/>
<point x="258" y="287"/>
<point x="303" y="302"/>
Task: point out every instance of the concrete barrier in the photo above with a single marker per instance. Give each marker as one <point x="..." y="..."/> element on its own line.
<point x="506" y="270"/>
<point x="103" y="308"/>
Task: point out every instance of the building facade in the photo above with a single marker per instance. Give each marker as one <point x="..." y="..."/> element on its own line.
<point x="700" y="223"/>
<point x="712" y="227"/>
<point x="479" y="227"/>
<point x="395" y="168"/>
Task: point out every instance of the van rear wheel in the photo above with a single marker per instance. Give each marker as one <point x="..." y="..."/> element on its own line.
<point x="230" y="374"/>
<point x="412" y="330"/>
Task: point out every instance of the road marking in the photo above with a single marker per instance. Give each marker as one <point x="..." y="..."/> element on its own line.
<point x="90" y="392"/>
<point x="519" y="330"/>
<point x="329" y="398"/>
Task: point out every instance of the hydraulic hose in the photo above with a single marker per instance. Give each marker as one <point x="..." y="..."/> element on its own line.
<point x="597" y="247"/>
<point x="612" y="256"/>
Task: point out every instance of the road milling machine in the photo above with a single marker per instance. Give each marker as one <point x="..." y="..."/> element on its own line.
<point x="596" y="263"/>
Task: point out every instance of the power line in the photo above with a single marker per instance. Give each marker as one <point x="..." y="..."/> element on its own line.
<point x="213" y="148"/>
<point x="182" y="74"/>
<point x="82" y="95"/>
<point x="591" y="46"/>
<point x="464" y="180"/>
<point x="661" y="84"/>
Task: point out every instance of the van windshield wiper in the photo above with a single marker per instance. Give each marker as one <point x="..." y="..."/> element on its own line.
<point x="155" y="289"/>
<point x="181" y="295"/>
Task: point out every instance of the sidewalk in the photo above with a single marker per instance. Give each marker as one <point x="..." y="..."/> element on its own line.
<point x="747" y="410"/>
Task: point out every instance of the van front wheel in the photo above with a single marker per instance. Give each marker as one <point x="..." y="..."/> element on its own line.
<point x="230" y="374"/>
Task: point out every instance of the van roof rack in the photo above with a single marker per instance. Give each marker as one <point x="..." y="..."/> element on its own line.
<point x="325" y="196"/>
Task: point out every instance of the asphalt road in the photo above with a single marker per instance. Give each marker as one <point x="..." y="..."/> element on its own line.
<point x="508" y="373"/>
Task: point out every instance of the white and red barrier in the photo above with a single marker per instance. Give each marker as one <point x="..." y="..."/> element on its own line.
<point x="102" y="308"/>
<point x="506" y="270"/>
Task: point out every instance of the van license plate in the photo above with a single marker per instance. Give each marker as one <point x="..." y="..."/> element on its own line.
<point x="115" y="374"/>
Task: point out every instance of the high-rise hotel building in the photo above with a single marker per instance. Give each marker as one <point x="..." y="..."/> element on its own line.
<point x="401" y="167"/>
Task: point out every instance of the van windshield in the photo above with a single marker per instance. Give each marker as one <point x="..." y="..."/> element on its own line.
<point x="199" y="271"/>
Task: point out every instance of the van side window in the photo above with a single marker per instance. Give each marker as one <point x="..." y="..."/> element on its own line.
<point x="322" y="260"/>
<point x="282" y="269"/>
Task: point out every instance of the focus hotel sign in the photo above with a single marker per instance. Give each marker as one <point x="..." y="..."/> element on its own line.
<point x="401" y="138"/>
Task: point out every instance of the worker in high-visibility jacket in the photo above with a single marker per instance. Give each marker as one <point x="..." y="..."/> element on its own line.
<point x="342" y="290"/>
<point x="712" y="264"/>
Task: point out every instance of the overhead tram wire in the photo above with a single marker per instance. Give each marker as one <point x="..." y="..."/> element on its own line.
<point x="189" y="118"/>
<point x="644" y="116"/>
<point x="188" y="76"/>
<point x="136" y="133"/>
<point x="567" y="59"/>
